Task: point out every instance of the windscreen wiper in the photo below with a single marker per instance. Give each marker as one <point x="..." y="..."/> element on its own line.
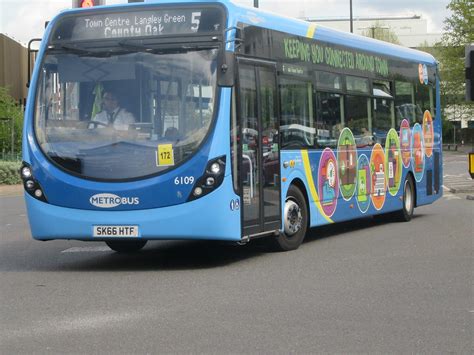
<point x="134" y="46"/>
<point x="163" y="48"/>
<point x="69" y="48"/>
<point x="74" y="48"/>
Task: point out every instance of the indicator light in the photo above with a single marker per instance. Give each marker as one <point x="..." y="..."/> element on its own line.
<point x="210" y="181"/>
<point x="30" y="184"/>
<point x="197" y="191"/>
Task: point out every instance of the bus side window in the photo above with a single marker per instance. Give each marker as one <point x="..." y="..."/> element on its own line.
<point x="297" y="117"/>
<point x="358" y="113"/>
<point x="423" y="100"/>
<point x="405" y="107"/>
<point x="330" y="120"/>
<point x="384" y="111"/>
<point x="329" y="108"/>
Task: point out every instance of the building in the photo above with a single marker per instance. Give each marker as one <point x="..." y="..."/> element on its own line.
<point x="13" y="67"/>
<point x="411" y="31"/>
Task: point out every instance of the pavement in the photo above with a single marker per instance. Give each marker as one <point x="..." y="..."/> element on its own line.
<point x="456" y="178"/>
<point x="11" y="190"/>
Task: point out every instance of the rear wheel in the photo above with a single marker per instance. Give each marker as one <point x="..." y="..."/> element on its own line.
<point x="126" y="246"/>
<point x="295" y="221"/>
<point x="406" y="213"/>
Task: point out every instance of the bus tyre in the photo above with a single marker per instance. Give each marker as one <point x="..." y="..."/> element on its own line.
<point x="126" y="246"/>
<point x="408" y="207"/>
<point x="295" y="221"/>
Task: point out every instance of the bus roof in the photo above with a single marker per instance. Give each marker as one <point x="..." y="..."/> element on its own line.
<point x="265" y="19"/>
<point x="261" y="18"/>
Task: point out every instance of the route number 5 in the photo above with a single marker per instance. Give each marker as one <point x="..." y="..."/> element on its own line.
<point x="195" y="20"/>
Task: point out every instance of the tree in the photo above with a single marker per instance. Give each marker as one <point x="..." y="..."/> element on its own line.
<point x="10" y="111"/>
<point x="458" y="32"/>
<point x="382" y="32"/>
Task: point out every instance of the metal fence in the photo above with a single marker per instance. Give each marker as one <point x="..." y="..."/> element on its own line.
<point x="7" y="156"/>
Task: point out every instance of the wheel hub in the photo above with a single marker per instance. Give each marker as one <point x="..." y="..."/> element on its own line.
<point x="293" y="217"/>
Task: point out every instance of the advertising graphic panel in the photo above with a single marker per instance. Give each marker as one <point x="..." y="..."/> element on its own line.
<point x="347" y="163"/>
<point x="364" y="186"/>
<point x="377" y="174"/>
<point x="328" y="184"/>
<point x="418" y="158"/>
<point x="428" y="133"/>
<point x="393" y="162"/>
<point x="405" y="142"/>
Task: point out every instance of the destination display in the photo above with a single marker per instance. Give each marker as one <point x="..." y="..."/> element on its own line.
<point x="165" y="21"/>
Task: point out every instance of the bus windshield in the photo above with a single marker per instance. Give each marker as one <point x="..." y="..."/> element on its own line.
<point x="104" y="115"/>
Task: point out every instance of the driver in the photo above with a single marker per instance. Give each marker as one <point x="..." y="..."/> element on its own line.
<point x="112" y="114"/>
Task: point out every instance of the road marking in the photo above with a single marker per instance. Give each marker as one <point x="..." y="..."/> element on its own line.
<point x="449" y="196"/>
<point x="89" y="323"/>
<point x="102" y="248"/>
<point x="450" y="175"/>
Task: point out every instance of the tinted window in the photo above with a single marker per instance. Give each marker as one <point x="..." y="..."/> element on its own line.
<point x="357" y="85"/>
<point x="328" y="81"/>
<point x="330" y="115"/>
<point x="297" y="119"/>
<point x="423" y="100"/>
<point x="405" y="107"/>
<point x="358" y="119"/>
<point x="383" y="105"/>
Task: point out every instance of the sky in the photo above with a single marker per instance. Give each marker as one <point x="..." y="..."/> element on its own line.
<point x="24" y="19"/>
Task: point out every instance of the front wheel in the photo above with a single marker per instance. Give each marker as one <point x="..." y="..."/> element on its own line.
<point x="126" y="246"/>
<point x="295" y="221"/>
<point x="406" y="213"/>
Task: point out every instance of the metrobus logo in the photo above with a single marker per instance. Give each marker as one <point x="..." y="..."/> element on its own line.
<point x="111" y="200"/>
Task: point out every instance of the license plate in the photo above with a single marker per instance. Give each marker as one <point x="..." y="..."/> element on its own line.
<point x="116" y="231"/>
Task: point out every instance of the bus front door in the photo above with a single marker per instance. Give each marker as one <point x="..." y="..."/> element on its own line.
<point x="259" y="148"/>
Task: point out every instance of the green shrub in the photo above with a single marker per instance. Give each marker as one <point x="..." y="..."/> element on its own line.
<point x="9" y="174"/>
<point x="10" y="110"/>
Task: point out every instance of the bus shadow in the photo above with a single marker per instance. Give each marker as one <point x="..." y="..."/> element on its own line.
<point x="342" y="228"/>
<point x="187" y="255"/>
<point x="170" y="256"/>
<point x="167" y="255"/>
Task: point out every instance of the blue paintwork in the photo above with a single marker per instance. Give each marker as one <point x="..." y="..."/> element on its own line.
<point x="69" y="215"/>
<point x="209" y="217"/>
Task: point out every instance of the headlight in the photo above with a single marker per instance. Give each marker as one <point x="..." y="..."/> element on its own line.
<point x="32" y="186"/>
<point x="215" y="168"/>
<point x="210" y="180"/>
<point x="26" y="172"/>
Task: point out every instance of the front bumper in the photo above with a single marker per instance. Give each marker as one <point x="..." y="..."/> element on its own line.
<point x="207" y="218"/>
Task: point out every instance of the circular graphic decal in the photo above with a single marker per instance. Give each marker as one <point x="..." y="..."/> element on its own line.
<point x="328" y="184"/>
<point x="418" y="158"/>
<point x="393" y="162"/>
<point x="363" y="183"/>
<point x="428" y="133"/>
<point x="405" y="142"/>
<point x="377" y="174"/>
<point x="423" y="74"/>
<point x="347" y="161"/>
